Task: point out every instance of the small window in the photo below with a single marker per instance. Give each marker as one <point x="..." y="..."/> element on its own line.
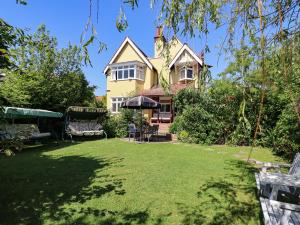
<point x="186" y="73"/>
<point x="116" y="104"/>
<point x="165" y="108"/>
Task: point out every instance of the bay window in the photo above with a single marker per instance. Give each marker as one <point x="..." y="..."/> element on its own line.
<point x="128" y="71"/>
<point x="186" y="73"/>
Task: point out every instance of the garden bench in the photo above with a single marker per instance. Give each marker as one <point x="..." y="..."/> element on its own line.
<point x="276" y="212"/>
<point x="23" y="131"/>
<point x="165" y="117"/>
<point x="273" y="187"/>
<point x="279" y="213"/>
<point x="85" y="128"/>
<point x="265" y="188"/>
<point x="155" y="117"/>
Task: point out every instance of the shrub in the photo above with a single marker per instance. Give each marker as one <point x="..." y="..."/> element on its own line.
<point x="109" y="126"/>
<point x="287" y="133"/>
<point x="175" y="126"/>
<point x="117" y="125"/>
<point x="198" y="126"/>
<point x="183" y="136"/>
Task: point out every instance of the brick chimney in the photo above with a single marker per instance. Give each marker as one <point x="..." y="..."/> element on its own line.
<point x="159" y="41"/>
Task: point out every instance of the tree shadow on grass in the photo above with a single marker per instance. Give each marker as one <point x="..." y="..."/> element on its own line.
<point x="34" y="187"/>
<point x="227" y="200"/>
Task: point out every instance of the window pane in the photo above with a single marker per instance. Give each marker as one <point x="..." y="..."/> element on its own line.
<point x="131" y="73"/>
<point x="142" y="75"/>
<point x="113" y="75"/>
<point x="114" y="107"/>
<point x="125" y="67"/>
<point x="182" y="73"/>
<point x="119" y="107"/>
<point x="165" y="108"/>
<point x="126" y="74"/>
<point x="113" y="99"/>
<point x="120" y="67"/>
<point x="190" y="73"/>
<point x="120" y="74"/>
<point x="168" y="108"/>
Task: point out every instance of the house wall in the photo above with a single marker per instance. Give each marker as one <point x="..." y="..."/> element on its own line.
<point x="162" y="63"/>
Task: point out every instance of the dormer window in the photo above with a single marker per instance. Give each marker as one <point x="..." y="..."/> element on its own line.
<point x="128" y="71"/>
<point x="186" y="73"/>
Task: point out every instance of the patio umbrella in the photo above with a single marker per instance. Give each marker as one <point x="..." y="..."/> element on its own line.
<point x="140" y="102"/>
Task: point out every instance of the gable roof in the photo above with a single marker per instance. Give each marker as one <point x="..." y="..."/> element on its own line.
<point x="185" y="47"/>
<point x="136" y="49"/>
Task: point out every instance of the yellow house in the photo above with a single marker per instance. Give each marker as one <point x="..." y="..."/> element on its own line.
<point x="131" y="72"/>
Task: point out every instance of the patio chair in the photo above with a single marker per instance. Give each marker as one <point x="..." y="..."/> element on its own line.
<point x="151" y="130"/>
<point x="132" y="131"/>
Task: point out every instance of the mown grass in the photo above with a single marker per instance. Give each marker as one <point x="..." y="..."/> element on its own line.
<point x="115" y="182"/>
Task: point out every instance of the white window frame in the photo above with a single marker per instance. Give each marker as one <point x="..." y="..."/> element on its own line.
<point x="185" y="69"/>
<point x="137" y="68"/>
<point x="118" y="101"/>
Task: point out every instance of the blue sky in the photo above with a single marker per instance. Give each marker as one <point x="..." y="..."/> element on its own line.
<point x="66" y="20"/>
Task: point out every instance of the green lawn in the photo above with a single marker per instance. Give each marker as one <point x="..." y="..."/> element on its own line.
<point x="115" y="182"/>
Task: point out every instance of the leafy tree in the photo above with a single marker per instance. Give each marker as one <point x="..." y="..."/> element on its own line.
<point x="7" y="38"/>
<point x="47" y="78"/>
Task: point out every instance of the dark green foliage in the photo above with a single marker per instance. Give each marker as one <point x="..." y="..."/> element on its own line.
<point x="286" y="134"/>
<point x="198" y="126"/>
<point x="227" y="114"/>
<point x="187" y="97"/>
<point x="110" y="125"/>
<point x="7" y="39"/>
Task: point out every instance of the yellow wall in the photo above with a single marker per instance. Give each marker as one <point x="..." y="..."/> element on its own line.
<point x="127" y="54"/>
<point x="162" y="63"/>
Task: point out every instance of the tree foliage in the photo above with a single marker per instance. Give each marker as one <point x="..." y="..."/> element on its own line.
<point x="46" y="77"/>
<point x="234" y="102"/>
